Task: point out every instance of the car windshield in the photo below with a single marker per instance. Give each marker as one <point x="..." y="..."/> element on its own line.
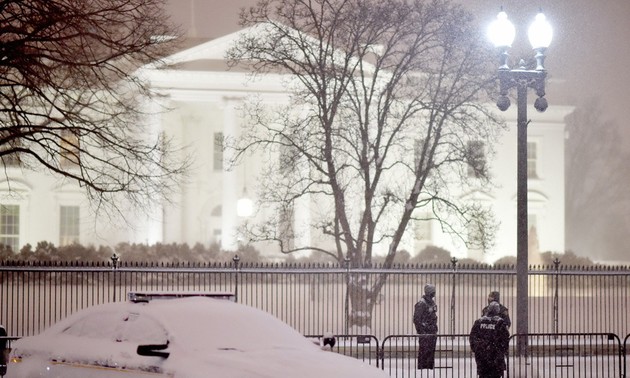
<point x="119" y="326"/>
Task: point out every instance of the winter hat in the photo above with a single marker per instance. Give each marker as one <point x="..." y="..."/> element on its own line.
<point x="494" y="296"/>
<point x="493" y="309"/>
<point x="429" y="289"/>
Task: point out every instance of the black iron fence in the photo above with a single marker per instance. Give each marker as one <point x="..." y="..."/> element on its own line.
<point x="313" y="299"/>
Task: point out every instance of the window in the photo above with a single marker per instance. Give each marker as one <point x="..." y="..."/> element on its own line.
<point x="285" y="227"/>
<point x="69" y="148"/>
<point x="68" y="225"/>
<point x="216" y="235"/>
<point x="532" y="159"/>
<point x="422" y="228"/>
<point x="288" y="160"/>
<point x="421" y="154"/>
<point x="11" y="159"/>
<point x="10" y="226"/>
<point x="217" y="157"/>
<point x="215" y="224"/>
<point x="217" y="211"/>
<point x="475" y="236"/>
<point x="476" y="158"/>
<point x="119" y="327"/>
<point x="532" y="222"/>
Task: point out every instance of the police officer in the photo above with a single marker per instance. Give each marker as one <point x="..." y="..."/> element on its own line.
<point x="3" y="351"/>
<point x="503" y="311"/>
<point x="489" y="341"/>
<point x="425" y="321"/>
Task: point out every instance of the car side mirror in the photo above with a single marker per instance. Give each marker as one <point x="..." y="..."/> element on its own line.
<point x="153" y="350"/>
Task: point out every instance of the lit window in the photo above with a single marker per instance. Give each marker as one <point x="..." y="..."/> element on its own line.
<point x="10" y="226"/>
<point x="218" y="152"/>
<point x="69" y="148"/>
<point x="68" y="225"/>
<point x="532" y="159"/>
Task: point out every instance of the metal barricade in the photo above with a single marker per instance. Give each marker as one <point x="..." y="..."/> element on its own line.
<point x="362" y="347"/>
<point x="575" y="355"/>
<point x="452" y="358"/>
<point x="626" y="361"/>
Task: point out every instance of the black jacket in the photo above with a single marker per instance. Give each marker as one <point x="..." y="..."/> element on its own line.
<point x="425" y="316"/>
<point x="503" y="313"/>
<point x="489" y="340"/>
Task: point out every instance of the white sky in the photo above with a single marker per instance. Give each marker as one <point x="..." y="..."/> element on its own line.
<point x="588" y="57"/>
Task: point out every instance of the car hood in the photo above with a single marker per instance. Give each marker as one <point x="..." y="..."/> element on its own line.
<point x="272" y="364"/>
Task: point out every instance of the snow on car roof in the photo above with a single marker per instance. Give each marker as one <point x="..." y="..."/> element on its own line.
<point x="207" y="322"/>
<point x="223" y="324"/>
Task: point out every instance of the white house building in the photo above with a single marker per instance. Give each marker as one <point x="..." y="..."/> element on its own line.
<point x="203" y="99"/>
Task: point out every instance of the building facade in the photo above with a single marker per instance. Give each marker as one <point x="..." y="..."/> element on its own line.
<point x="199" y="107"/>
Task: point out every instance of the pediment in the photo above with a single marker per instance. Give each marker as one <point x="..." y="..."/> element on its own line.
<point x="534" y="196"/>
<point x="15" y="185"/>
<point x="14" y="190"/>
<point x="477" y="196"/>
<point x="202" y="54"/>
<point x="210" y="55"/>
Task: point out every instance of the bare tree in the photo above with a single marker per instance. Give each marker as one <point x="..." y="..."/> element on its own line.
<point x="384" y="127"/>
<point x="72" y="104"/>
<point x="597" y="171"/>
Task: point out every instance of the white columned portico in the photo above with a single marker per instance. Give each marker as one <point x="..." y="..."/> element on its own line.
<point x="302" y="214"/>
<point x="229" y="216"/>
<point x="153" y="225"/>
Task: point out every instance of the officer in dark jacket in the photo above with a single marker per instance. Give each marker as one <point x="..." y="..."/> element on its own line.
<point x="489" y="341"/>
<point x="3" y="351"/>
<point x="503" y="311"/>
<point x="425" y="321"/>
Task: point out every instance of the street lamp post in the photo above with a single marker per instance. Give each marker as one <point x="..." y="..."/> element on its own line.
<point x="502" y="34"/>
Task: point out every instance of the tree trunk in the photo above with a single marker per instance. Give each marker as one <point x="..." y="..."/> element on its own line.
<point x="361" y="304"/>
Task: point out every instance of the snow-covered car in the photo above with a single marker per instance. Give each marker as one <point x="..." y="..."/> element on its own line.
<point x="181" y="338"/>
